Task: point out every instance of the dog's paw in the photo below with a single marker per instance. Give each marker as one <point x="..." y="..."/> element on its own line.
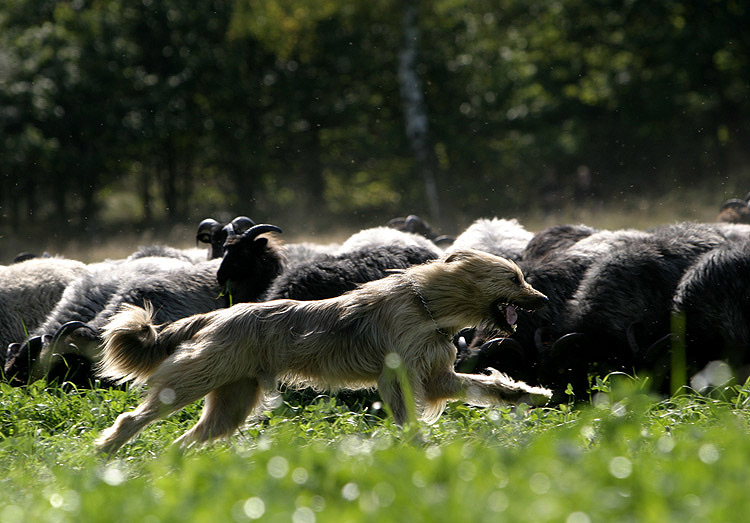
<point x="537" y="396"/>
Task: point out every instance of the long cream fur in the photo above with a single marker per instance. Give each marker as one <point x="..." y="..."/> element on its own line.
<point x="236" y="356"/>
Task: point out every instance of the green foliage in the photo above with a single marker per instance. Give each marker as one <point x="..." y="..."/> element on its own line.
<point x="625" y="456"/>
<point x="281" y="106"/>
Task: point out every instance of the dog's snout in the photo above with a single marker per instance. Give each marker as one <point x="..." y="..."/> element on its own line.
<point x="536" y="302"/>
<point x="542" y="301"/>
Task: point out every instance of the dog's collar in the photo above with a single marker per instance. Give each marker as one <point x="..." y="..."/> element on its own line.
<point x="427" y="308"/>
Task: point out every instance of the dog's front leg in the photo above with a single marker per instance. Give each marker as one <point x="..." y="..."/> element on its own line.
<point x="494" y="388"/>
<point x="392" y="393"/>
<point x="225" y="409"/>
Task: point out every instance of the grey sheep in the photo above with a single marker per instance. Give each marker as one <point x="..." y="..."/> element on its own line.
<point x="501" y="237"/>
<point x="176" y="288"/>
<point x="29" y="290"/>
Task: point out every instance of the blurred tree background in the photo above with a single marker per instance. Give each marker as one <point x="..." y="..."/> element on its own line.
<point x="118" y="113"/>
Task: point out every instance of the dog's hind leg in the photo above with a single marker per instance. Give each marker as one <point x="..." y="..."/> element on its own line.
<point x="128" y="424"/>
<point x="225" y="409"/>
<point x="169" y="393"/>
<point x="483" y="389"/>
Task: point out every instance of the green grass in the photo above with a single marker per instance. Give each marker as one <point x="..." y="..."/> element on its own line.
<point x="625" y="455"/>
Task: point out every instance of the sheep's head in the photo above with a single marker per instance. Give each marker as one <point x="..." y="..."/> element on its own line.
<point x="215" y="234"/>
<point x="251" y="262"/>
<point x="734" y="210"/>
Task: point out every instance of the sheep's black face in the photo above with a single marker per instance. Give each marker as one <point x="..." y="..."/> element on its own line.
<point x="249" y="266"/>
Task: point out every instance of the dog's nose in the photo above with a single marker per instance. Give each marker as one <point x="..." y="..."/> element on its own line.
<point x="541" y="301"/>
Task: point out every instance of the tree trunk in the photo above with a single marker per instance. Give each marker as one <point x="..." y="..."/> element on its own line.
<point x="169" y="186"/>
<point x="415" y="112"/>
<point x="146" y="201"/>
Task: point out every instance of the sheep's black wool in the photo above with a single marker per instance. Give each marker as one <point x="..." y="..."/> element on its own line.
<point x="714" y="297"/>
<point x="332" y="275"/>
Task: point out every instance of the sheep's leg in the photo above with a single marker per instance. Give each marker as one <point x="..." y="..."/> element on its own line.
<point x="483" y="389"/>
<point x="225" y="409"/>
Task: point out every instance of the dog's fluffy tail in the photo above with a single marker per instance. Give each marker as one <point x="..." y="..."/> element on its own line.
<point x="133" y="345"/>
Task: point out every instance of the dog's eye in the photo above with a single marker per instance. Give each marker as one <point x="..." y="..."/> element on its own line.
<point x="515" y="279"/>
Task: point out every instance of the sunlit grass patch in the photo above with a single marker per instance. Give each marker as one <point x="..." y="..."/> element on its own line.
<point x="624" y="456"/>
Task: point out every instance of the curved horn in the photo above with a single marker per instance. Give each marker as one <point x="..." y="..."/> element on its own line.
<point x="229" y="232"/>
<point x="71" y="326"/>
<point x="204" y="230"/>
<point x="10" y="352"/>
<point x="241" y="224"/>
<point x="257" y="230"/>
<point x="733" y="202"/>
<point x="563" y="343"/>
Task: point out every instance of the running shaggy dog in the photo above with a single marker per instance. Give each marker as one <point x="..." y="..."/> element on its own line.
<point x="236" y="356"/>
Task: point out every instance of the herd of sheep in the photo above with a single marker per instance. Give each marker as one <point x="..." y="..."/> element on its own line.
<point x="618" y="298"/>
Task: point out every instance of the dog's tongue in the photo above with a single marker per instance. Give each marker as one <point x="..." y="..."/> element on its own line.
<point x="511" y="316"/>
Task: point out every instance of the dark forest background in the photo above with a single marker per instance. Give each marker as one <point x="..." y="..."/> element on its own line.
<point x="121" y="113"/>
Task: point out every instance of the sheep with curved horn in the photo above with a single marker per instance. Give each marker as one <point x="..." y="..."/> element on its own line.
<point x="176" y="289"/>
<point x="215" y="234"/>
<point x="29" y="290"/>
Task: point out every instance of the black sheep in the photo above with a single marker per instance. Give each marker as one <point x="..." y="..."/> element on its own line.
<point x="622" y="306"/>
<point x="333" y="274"/>
<point x="714" y="297"/>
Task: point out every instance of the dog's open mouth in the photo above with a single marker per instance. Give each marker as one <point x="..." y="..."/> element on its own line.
<point x="505" y="316"/>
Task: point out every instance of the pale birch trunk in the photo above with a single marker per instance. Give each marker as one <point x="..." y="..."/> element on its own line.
<point x="415" y="112"/>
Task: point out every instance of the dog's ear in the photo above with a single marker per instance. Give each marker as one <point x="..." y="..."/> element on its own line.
<point x="459" y="255"/>
<point x="454" y="257"/>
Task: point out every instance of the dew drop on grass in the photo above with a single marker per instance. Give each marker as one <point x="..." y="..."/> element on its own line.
<point x="432" y="452"/>
<point x="56" y="500"/>
<point x="708" y="453"/>
<point x="300" y="475"/>
<point x="499" y="472"/>
<point x="665" y="444"/>
<point x="498" y="501"/>
<point x="539" y="483"/>
<point x="385" y="493"/>
<point x="620" y="467"/>
<point x="350" y="492"/>
<point x="68" y="500"/>
<point x="303" y="515"/>
<point x="167" y="396"/>
<point x="277" y="467"/>
<point x="466" y="470"/>
<point x="588" y="432"/>
<point x="619" y="409"/>
<point x="578" y="517"/>
<point x="392" y="360"/>
<point x="418" y="479"/>
<point x="112" y="474"/>
<point x="254" y="508"/>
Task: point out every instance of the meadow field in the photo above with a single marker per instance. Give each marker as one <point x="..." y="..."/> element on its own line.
<point x="613" y="453"/>
<point x="618" y="455"/>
